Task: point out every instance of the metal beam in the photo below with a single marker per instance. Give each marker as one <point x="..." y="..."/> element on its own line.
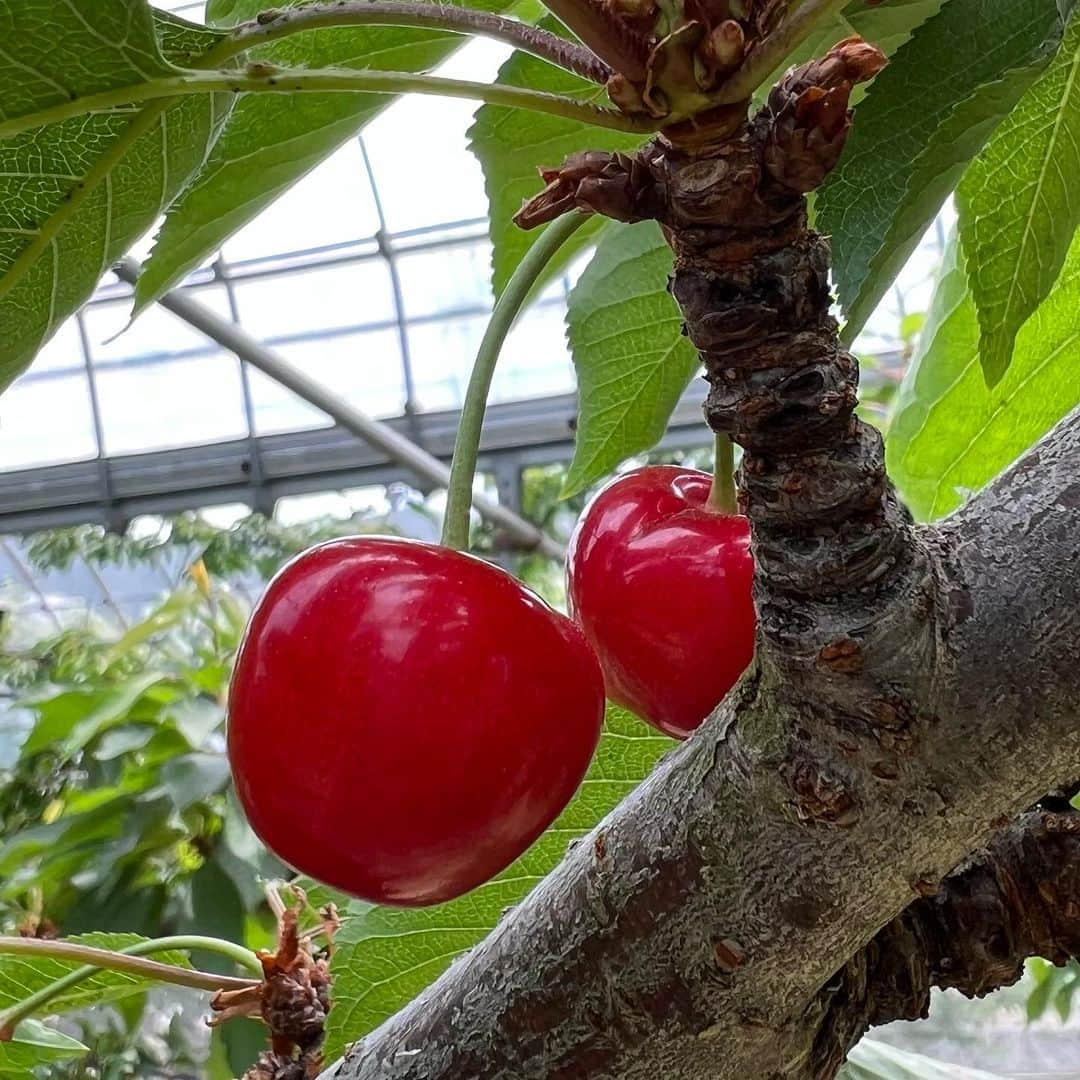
<point x="395" y="445"/>
<point x="521" y="434"/>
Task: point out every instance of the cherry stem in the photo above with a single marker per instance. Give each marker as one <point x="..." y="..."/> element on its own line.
<point x="459" y="493"/>
<point x="127" y="960"/>
<point x="722" y="495"/>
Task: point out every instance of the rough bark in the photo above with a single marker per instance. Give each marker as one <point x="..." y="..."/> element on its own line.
<point x="695" y="940"/>
<point x="1019" y="898"/>
<point x="914" y="688"/>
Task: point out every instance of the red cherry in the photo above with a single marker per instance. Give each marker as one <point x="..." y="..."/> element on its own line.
<point x="661" y="585"/>
<point x="405" y="720"/>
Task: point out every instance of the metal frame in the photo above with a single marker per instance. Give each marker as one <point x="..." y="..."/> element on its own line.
<point x="517" y="435"/>
<point x="260" y="469"/>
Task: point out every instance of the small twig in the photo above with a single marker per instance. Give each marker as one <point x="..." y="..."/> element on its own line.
<point x="272" y="26"/>
<point x="772" y="51"/>
<point x="127" y="960"/>
<point x="614" y="43"/>
<point x="265" y="78"/>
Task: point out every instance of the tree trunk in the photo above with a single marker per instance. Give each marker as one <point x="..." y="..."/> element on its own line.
<point x="914" y="689"/>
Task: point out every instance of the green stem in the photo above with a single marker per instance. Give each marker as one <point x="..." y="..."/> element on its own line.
<point x="722" y="495"/>
<point x="419" y="13"/>
<point x="455" y="532"/>
<point x="774" y="50"/>
<point x="126" y="960"/>
<point x="264" y="79"/>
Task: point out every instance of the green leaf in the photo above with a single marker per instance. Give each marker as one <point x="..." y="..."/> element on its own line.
<point x="512" y="146"/>
<point x="887" y="25"/>
<point x="184" y="43"/>
<point x="271" y="141"/>
<point x="194" y="778"/>
<point x="76" y="194"/>
<point x="243" y="857"/>
<point x="35" y="1044"/>
<point x="385" y="956"/>
<point x="935" y="173"/>
<point x="20" y="976"/>
<point x="195" y="718"/>
<point x="69" y="721"/>
<point x="906" y="148"/>
<point x="951" y="434"/>
<point x="177" y="607"/>
<point x="218" y="911"/>
<point x="1019" y="205"/>
<point x="632" y="360"/>
<point x="1063" y="999"/>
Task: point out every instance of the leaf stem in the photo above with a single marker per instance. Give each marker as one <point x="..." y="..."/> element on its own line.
<point x="455" y="532"/>
<point x="261" y="78"/>
<point x="126" y="960"/>
<point x="436" y="16"/>
<point x="774" y="49"/>
<point x="722" y="495"/>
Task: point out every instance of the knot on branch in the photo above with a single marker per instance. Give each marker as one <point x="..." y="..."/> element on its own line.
<point x="292" y="1000"/>
<point x="806" y="117"/>
<point x="619" y="186"/>
<point x="845" y="483"/>
<point x="778" y="292"/>
<point x="1017" y="899"/>
<point x="821" y="793"/>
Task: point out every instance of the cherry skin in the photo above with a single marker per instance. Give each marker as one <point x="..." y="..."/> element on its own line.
<point x="405" y="720"/>
<point x="661" y="585"/>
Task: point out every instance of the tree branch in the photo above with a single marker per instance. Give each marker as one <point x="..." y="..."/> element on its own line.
<point x="274" y="25"/>
<point x="1019" y="898"/>
<point x="832" y="787"/>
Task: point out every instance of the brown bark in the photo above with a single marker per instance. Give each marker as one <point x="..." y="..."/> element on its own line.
<point x="1019" y="898"/>
<point x="731" y="891"/>
<point x="914" y="689"/>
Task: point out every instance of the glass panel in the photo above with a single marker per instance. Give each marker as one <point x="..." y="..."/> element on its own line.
<point x="442" y="356"/>
<point x="450" y="279"/>
<point x="347" y="295"/>
<point x="155" y="333"/>
<point x="173" y="402"/>
<point x="46" y="420"/>
<point x="431" y="177"/>
<point x="363" y="368"/>
<point x="298" y="509"/>
<point x="535" y="360"/>
<point x="331" y="205"/>
<point x="62" y="352"/>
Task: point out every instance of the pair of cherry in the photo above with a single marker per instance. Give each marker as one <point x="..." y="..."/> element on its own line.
<point x="404" y="719"/>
